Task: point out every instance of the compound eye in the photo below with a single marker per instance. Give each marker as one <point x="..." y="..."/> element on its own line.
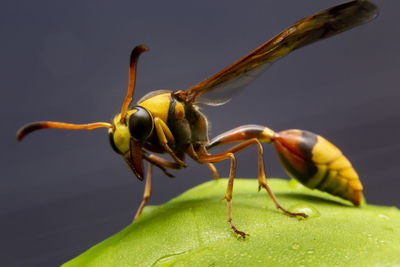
<point x="140" y="124"/>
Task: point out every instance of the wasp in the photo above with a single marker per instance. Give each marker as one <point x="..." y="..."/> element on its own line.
<point x="170" y="122"/>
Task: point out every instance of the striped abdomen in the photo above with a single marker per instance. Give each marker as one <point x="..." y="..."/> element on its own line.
<point x="317" y="163"/>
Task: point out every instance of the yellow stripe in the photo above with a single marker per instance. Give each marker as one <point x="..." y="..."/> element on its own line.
<point x="340" y="163"/>
<point x="267" y="135"/>
<point x="324" y="151"/>
<point x="349" y="173"/>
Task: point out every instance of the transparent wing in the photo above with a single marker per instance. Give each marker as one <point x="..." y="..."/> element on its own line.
<point x="219" y="88"/>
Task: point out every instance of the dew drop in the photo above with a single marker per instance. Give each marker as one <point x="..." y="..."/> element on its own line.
<point x="310" y="251"/>
<point x="295" y="246"/>
<point x="169" y="260"/>
<point x="384" y="217"/>
<point x="294" y="184"/>
<point x="307" y="209"/>
<point x="370" y="237"/>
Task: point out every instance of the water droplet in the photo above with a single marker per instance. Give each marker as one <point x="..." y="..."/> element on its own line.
<point x="307" y="209"/>
<point x="295" y="246"/>
<point x="310" y="251"/>
<point x="382" y="216"/>
<point x="370" y="237"/>
<point x="294" y="184"/>
<point x="170" y="259"/>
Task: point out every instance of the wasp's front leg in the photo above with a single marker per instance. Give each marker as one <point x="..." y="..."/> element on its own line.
<point x="165" y="136"/>
<point x="162" y="164"/>
<point x="147" y="191"/>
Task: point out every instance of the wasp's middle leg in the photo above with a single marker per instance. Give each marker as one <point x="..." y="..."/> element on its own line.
<point x="195" y="156"/>
<point x="262" y="181"/>
<point x="206" y="158"/>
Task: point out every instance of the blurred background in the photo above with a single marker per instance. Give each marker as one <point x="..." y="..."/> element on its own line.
<point x="64" y="191"/>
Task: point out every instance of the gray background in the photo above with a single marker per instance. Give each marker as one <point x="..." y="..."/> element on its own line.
<point x="64" y="191"/>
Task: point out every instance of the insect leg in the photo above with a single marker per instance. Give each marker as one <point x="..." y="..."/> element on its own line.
<point x="202" y="150"/>
<point x="160" y="163"/>
<point x="305" y="156"/>
<point x="252" y="135"/>
<point x="147" y="191"/>
<point x="165" y="136"/>
<point x="213" y="170"/>
<point x="206" y="158"/>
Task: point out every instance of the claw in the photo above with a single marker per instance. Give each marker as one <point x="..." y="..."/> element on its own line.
<point x="242" y="234"/>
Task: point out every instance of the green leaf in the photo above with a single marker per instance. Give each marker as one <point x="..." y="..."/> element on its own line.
<point x="192" y="230"/>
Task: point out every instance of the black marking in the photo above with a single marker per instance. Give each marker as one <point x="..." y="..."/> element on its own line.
<point x="212" y="144"/>
<point x="30" y="128"/>
<point x="307" y="143"/>
<point x="179" y="127"/>
<point x="303" y="178"/>
<point x="171" y="109"/>
<point x="252" y="130"/>
<point x="112" y="143"/>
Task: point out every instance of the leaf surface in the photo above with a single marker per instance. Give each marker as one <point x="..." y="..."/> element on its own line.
<point x="192" y="230"/>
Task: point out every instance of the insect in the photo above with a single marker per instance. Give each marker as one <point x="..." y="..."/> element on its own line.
<point x="170" y="121"/>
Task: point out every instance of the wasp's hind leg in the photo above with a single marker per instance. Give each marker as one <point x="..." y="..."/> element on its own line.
<point x="252" y="135"/>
